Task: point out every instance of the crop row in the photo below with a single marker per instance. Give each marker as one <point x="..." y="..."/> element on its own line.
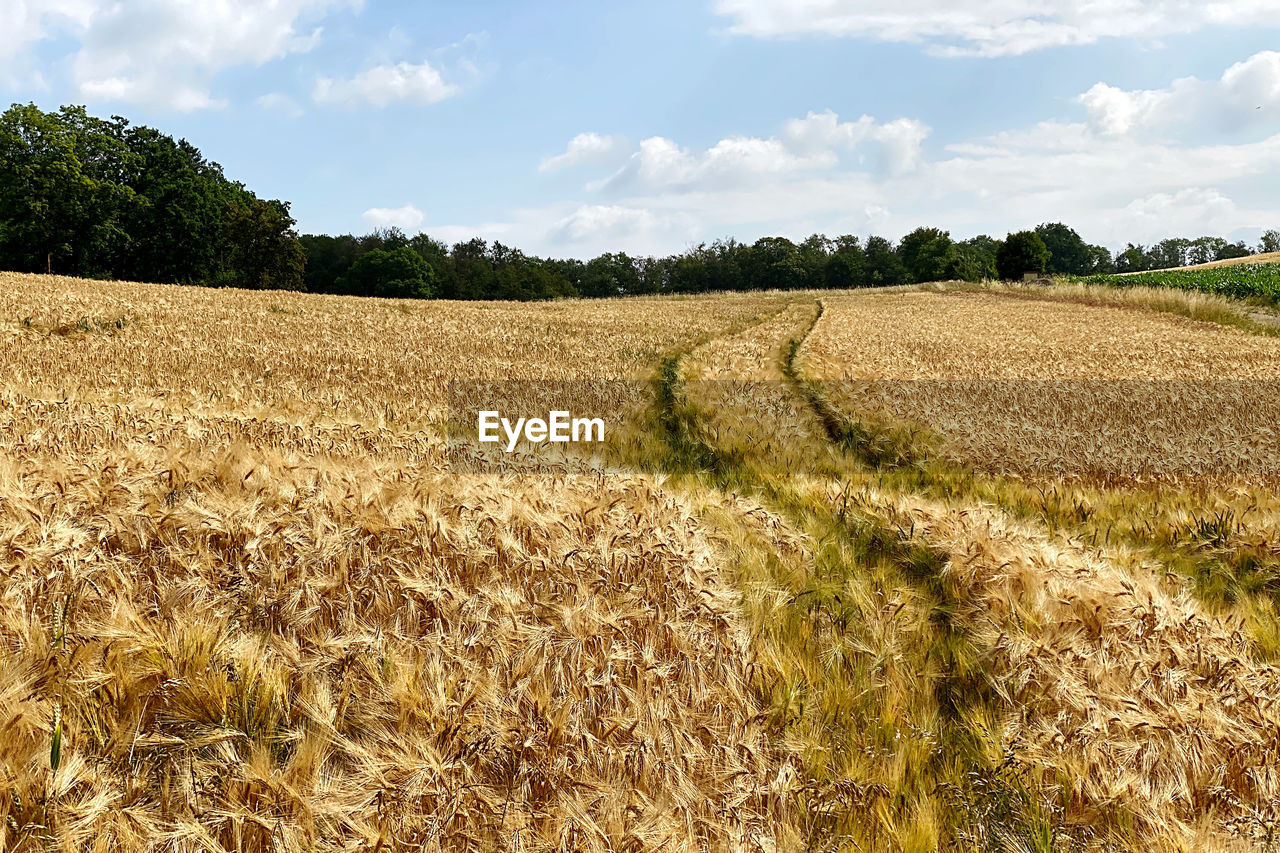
<point x="1247" y="281"/>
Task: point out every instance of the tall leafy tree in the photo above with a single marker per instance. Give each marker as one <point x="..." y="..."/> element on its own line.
<point x="1133" y="258"/>
<point x="473" y="276"/>
<point x="814" y="253"/>
<point x="328" y="259"/>
<point x="883" y="266"/>
<point x="846" y="266"/>
<point x="181" y="213"/>
<point x="688" y="272"/>
<point x="1238" y="249"/>
<point x="1101" y="261"/>
<point x="263" y="251"/>
<point x="87" y="196"/>
<point x="977" y="258"/>
<point x="399" y="273"/>
<point x="62" y="203"/>
<point x="436" y="254"/>
<point x="1069" y="254"/>
<point x="609" y="275"/>
<point x="729" y="261"/>
<point x="776" y="264"/>
<point x="928" y="255"/>
<point x="1170" y="253"/>
<point x="1021" y="253"/>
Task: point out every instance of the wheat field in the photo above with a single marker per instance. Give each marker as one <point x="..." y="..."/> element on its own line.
<point x="1048" y="389"/>
<point x="904" y="570"/>
<point x="257" y="609"/>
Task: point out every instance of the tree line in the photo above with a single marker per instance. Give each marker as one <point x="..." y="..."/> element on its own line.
<point x="101" y="198"/>
<point x="1180" y="252"/>
<point x="390" y="263"/>
<point x="94" y="197"/>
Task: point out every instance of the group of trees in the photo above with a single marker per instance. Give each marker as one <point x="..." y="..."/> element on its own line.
<point x="1179" y="252"/>
<point x="101" y="198"/>
<point x="390" y="263"/>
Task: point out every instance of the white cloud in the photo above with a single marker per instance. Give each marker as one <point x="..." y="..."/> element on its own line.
<point x="661" y="162"/>
<point x="581" y="230"/>
<point x="821" y="173"/>
<point x="1255" y="79"/>
<point x="279" y="104"/>
<point x="386" y="84"/>
<point x="809" y="145"/>
<point x="160" y="52"/>
<point x="595" y="223"/>
<point x="23" y="22"/>
<point x="584" y="148"/>
<point x="1195" y="210"/>
<point x="1247" y="93"/>
<point x="499" y="231"/>
<point x="1114" y="111"/>
<point x="823" y="132"/>
<point x="407" y="218"/>
<point x="168" y="52"/>
<point x="990" y="27"/>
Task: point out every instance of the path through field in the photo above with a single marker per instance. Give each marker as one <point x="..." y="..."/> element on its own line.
<point x="844" y="583"/>
<point x="1077" y="694"/>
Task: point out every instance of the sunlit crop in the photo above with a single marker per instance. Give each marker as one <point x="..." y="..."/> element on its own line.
<point x="992" y="569"/>
<point x="248" y="608"/>
<point x="1037" y="388"/>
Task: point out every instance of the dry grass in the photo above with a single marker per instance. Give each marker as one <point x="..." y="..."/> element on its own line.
<point x="1192" y="304"/>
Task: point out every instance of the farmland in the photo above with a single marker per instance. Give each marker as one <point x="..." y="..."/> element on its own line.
<point x="899" y="570"/>
<point x="1259" y="281"/>
<point x="1130" y="394"/>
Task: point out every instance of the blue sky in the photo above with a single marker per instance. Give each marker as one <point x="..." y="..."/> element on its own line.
<point x="573" y="128"/>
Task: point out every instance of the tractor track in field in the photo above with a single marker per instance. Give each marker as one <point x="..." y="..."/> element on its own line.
<point x="870" y="539"/>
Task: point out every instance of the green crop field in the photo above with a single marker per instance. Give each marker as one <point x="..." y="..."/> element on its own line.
<point x="1247" y="281"/>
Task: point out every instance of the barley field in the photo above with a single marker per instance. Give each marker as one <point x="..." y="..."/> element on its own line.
<point x="1051" y="389"/>
<point x="323" y="359"/>
<point x="905" y="570"/>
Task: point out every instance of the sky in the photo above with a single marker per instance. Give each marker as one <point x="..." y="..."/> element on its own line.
<point x="573" y="128"/>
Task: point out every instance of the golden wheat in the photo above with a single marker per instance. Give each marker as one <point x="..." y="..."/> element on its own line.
<point x="267" y="613"/>
<point x="255" y="601"/>
<point x="1116" y="682"/>
<point x="1120" y="709"/>
<point x="299" y="356"/>
<point x="1051" y="389"/>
